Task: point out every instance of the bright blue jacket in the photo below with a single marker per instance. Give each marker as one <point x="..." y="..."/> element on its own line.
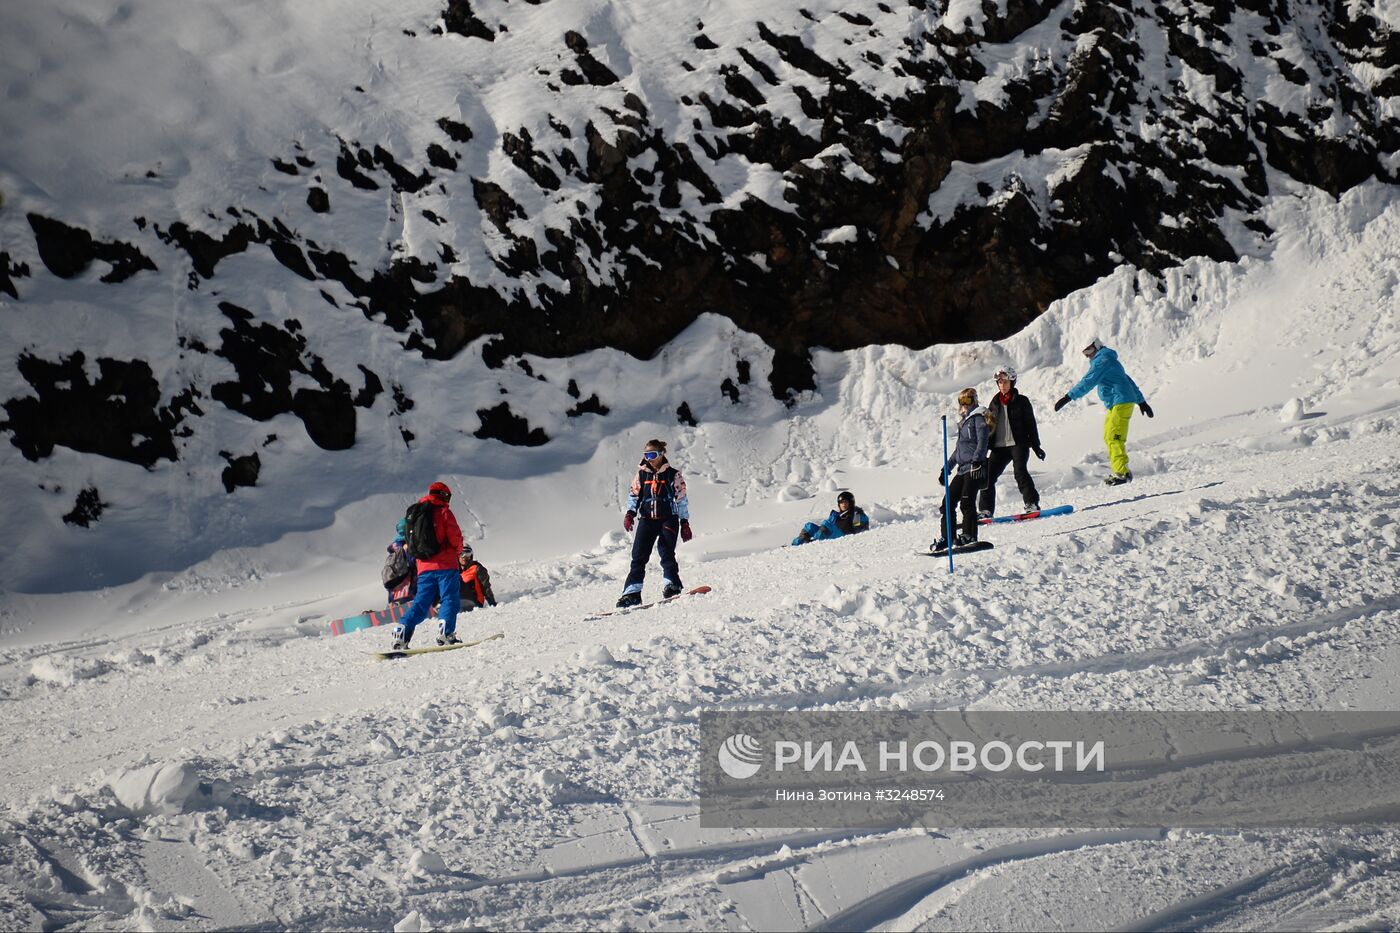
<point x="1115" y="386"/>
<point x="831" y="527"/>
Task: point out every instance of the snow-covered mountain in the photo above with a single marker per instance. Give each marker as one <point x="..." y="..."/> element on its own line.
<point x="260" y="261"/>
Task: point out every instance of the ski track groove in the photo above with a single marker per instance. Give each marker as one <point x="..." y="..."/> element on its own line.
<point x="896" y="900"/>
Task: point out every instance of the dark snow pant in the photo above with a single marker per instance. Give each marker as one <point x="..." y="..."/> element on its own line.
<point x="652" y="532"/>
<point x="964" y="492"/>
<point x="1018" y="455"/>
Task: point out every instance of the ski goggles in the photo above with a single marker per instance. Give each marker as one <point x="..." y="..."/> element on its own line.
<point x="651" y="454"/>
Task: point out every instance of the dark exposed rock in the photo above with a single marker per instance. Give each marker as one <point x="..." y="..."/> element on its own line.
<point x="439" y="157"/>
<point x="290" y="255"/>
<point x="329" y="416"/>
<point x="205" y="251"/>
<point x="87" y="508"/>
<point x="349" y="168"/>
<point x="594" y="71"/>
<point x="502" y="424"/>
<point x="241" y="471"/>
<point x="372" y="390"/>
<point x="457" y="132"/>
<point x="9" y="271"/>
<point x="265" y="358"/>
<point x="684" y="415"/>
<point x="591" y="405"/>
<point x="458" y="18"/>
<point x="318" y="200"/>
<point x="768" y="74"/>
<point x="522" y="152"/>
<point x="729" y="390"/>
<point x="286" y="168"/>
<point x="120" y="415"/>
<point x="67" y="251"/>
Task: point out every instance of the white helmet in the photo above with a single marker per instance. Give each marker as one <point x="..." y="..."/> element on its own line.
<point x="1008" y="371"/>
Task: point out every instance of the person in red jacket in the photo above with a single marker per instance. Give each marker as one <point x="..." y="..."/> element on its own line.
<point x="439" y="579"/>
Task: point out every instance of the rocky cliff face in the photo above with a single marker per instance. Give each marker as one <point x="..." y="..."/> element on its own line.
<point x="895" y="172"/>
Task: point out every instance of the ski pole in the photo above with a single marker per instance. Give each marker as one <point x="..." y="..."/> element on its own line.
<point x="947" y="498"/>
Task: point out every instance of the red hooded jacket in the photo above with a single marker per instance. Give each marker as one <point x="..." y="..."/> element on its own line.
<point x="449" y="536"/>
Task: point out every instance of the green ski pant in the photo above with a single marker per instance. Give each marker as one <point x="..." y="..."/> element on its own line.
<point x="1115" y="436"/>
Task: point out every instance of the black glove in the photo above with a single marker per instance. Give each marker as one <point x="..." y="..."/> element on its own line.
<point x="943" y="476"/>
<point x="1064" y="400"/>
<point x="977" y="474"/>
<point x="1145" y="408"/>
<point x="1038" y="452"/>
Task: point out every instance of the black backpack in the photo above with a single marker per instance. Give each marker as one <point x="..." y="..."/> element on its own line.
<point x="421" y="539"/>
<point x="397" y="567"/>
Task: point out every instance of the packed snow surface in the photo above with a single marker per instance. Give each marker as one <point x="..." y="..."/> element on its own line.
<point x="193" y="749"/>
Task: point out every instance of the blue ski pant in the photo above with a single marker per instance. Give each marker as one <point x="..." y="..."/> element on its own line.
<point x="662" y="534"/>
<point x="443" y="587"/>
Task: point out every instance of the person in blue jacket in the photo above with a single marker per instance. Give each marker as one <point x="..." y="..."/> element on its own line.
<point x="1119" y="394"/>
<point x="965" y="473"/>
<point x="846" y="519"/>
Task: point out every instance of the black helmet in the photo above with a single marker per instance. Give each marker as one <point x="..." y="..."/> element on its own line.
<point x="846" y="496"/>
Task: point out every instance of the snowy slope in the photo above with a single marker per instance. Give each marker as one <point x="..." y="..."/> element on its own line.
<point x="191" y="750"/>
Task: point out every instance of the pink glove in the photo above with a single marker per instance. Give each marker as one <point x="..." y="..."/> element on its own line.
<point x="628" y="521"/>
<point x="686" y="533"/>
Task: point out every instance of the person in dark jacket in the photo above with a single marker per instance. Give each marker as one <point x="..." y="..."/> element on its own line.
<point x="659" y="510"/>
<point x="476" y="582"/>
<point x="1014" y="438"/>
<point x="846" y="519"/>
<point x="438" y="576"/>
<point x="966" y="470"/>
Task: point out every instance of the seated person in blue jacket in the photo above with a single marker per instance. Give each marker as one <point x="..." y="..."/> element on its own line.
<point x="846" y="519"/>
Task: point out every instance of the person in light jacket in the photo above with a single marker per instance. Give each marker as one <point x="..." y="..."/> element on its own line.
<point x="966" y="470"/>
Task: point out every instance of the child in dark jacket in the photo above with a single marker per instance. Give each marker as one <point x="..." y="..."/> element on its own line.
<point x="659" y="510"/>
<point x="846" y="519"/>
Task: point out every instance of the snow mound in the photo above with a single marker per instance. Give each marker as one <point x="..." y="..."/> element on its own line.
<point x="159" y="789"/>
<point x="1293" y="410"/>
<point x="65" y="672"/>
<point x="425" y="862"/>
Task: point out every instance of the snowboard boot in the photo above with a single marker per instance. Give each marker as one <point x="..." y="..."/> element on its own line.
<point x="964" y="540"/>
<point x="940" y="545"/>
<point x="629" y="600"/>
<point x="1118" y="479"/>
<point x="401" y="638"/>
<point x="983" y="513"/>
<point x="672" y="589"/>
<point x="449" y="639"/>
<point x="1033" y="506"/>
